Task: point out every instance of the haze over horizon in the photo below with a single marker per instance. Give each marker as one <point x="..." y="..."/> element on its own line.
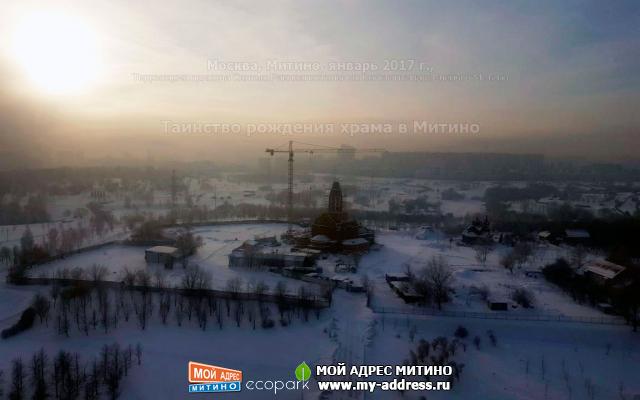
<point x="560" y="79"/>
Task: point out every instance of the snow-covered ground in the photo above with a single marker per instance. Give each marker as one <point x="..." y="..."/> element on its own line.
<point x="400" y="249"/>
<point x="13" y="301"/>
<point x="576" y="356"/>
<point x="531" y="361"/>
<point x="219" y="241"/>
<point x="260" y="354"/>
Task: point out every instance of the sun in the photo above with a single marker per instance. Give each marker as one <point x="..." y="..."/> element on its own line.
<point x="57" y="52"/>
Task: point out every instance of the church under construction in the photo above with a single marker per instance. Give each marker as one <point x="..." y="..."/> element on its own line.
<point x="332" y="231"/>
<point x="335" y="231"/>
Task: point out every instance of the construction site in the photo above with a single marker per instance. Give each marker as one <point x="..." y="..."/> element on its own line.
<point x="331" y="232"/>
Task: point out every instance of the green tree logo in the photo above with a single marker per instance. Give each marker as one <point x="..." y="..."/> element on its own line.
<point x="303" y="372"/>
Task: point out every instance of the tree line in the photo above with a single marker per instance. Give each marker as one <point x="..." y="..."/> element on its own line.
<point x="87" y="305"/>
<point x="64" y="376"/>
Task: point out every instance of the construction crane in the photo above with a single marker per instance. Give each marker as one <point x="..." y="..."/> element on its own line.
<point x="317" y="149"/>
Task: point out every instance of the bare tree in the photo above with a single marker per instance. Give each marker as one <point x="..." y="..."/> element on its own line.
<point x="482" y="252"/>
<point x="304" y="300"/>
<point x="5" y="255"/>
<point x="522" y="252"/>
<point x="113" y="360"/>
<point x="578" y="256"/>
<point x="508" y="261"/>
<point x="187" y="243"/>
<point x="160" y="279"/>
<point x="129" y="278"/>
<point x="139" y="353"/>
<point x="234" y="285"/>
<point x="260" y="289"/>
<point x="124" y="304"/>
<point x="92" y="382"/>
<point x="202" y="316"/>
<point x="143" y="279"/>
<point x="281" y="298"/>
<point x="492" y="338"/>
<point x="523" y="296"/>
<point x="62" y="317"/>
<point x="41" y="305"/>
<point x="17" y="391"/>
<point x="219" y="316"/>
<point x="165" y="306"/>
<point x="143" y="307"/>
<point x="437" y="274"/>
<point x="77" y="274"/>
<point x="179" y="310"/>
<point x="281" y="289"/>
<point x="238" y="313"/>
<point x="408" y="271"/>
<point x="629" y="303"/>
<point x="55" y="292"/>
<point x="38" y="375"/>
<point x="98" y="273"/>
<point x="369" y="287"/>
<point x="195" y="278"/>
<point x="484" y="292"/>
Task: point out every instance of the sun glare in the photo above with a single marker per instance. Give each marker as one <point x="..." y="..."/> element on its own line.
<point x="57" y="52"/>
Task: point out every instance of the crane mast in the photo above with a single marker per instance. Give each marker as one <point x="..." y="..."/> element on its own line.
<point x="290" y="190"/>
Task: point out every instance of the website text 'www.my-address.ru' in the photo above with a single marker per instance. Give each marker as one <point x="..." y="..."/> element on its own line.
<point x="396" y="384"/>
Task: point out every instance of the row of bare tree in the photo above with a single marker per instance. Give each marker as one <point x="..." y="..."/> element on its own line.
<point x="65" y="377"/>
<point x="89" y="307"/>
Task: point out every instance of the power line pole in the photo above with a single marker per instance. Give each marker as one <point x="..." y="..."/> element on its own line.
<point x="290" y="194"/>
<point x="215" y="200"/>
<point x="174" y="195"/>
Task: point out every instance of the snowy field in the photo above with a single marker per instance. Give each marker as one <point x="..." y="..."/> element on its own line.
<point x="400" y="249"/>
<point x="13" y="301"/>
<point x="260" y="354"/>
<point x="219" y="241"/>
<point x="531" y="360"/>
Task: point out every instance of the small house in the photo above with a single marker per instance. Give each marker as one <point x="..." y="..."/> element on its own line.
<point x="479" y="232"/>
<point x="498" y="304"/>
<point x="603" y="271"/>
<point x="165" y="255"/>
<point x="356" y="245"/>
<point x="400" y="277"/>
<point x="544" y="236"/>
<point x="576" y="236"/>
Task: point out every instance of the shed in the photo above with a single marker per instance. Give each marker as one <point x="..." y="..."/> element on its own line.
<point x="576" y="236"/>
<point x="603" y="271"/>
<point x="357" y="245"/>
<point x="498" y="304"/>
<point x="164" y="255"/>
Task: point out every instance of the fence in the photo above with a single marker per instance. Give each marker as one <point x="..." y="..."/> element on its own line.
<point x="218" y="222"/>
<point x="311" y="301"/>
<point x="502" y="315"/>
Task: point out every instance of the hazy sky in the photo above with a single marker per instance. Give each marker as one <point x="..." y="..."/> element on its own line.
<point x="568" y="73"/>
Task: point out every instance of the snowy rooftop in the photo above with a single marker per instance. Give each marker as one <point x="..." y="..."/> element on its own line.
<point x="577" y="233"/>
<point x="354" y="242"/>
<point x="162" y="249"/>
<point x="605" y="269"/>
<point x="320" y="238"/>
